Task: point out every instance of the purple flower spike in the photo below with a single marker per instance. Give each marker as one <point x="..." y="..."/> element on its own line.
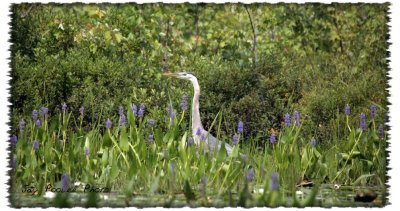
<point x="134" y="110"/>
<point x="184" y="103"/>
<point x="313" y="142"/>
<point x="198" y="132"/>
<point x="151" y="122"/>
<point x="108" y="124"/>
<point x="13" y="163"/>
<point x="287" y="120"/>
<point x="22" y="125"/>
<point x="141" y="110"/>
<point x="34" y="115"/>
<point x="38" y="123"/>
<point x="65" y="182"/>
<point x="347" y="110"/>
<point x="235" y="139"/>
<point x="381" y="134"/>
<point x="274" y="181"/>
<point x="170" y="110"/>
<point x="36" y="145"/>
<point x="13" y="140"/>
<point x="373" y="111"/>
<point x="81" y="109"/>
<point x="87" y="152"/>
<point x="122" y="120"/>
<point x="44" y="111"/>
<point x="120" y="110"/>
<point x="363" y="124"/>
<point x="64" y="107"/>
<point x="296" y="118"/>
<point x="240" y="127"/>
<point x="250" y="175"/>
<point x="190" y="141"/>
<point x="151" y="138"/>
<point x="272" y="139"/>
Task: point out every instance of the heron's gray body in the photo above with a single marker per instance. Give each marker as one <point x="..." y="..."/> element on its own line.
<point x="197" y="127"/>
<point x="210" y="142"/>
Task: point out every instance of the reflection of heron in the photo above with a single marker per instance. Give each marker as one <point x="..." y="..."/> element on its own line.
<point x="197" y="128"/>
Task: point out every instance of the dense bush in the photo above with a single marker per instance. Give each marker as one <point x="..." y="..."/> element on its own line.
<point x="313" y="58"/>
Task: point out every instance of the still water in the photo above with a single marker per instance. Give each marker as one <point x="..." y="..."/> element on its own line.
<point x="328" y="196"/>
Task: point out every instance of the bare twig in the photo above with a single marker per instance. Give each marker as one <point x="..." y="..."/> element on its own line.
<point x="254" y="36"/>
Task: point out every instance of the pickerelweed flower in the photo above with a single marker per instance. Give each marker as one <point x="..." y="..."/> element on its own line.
<point x="151" y="138"/>
<point x="296" y="118"/>
<point x="287" y="120"/>
<point x="240" y="127"/>
<point x="65" y="182"/>
<point x="87" y="152"/>
<point x="141" y="110"/>
<point x="173" y="115"/>
<point x="381" y="134"/>
<point x="13" y="163"/>
<point x="120" y="110"/>
<point x="108" y="124"/>
<point x="122" y="120"/>
<point x="235" y="139"/>
<point x="347" y="110"/>
<point x="64" y="107"/>
<point x="81" y="109"/>
<point x="35" y="145"/>
<point x="134" y="110"/>
<point x="34" y="115"/>
<point x="274" y="181"/>
<point x="373" y="111"/>
<point x="44" y="111"/>
<point x="184" y="103"/>
<point x="22" y="125"/>
<point x="272" y="139"/>
<point x="38" y="123"/>
<point x="250" y="175"/>
<point x="198" y="132"/>
<point x="313" y="142"/>
<point x="190" y="141"/>
<point x="170" y="110"/>
<point x="363" y="124"/>
<point x="13" y="140"/>
<point x="151" y="122"/>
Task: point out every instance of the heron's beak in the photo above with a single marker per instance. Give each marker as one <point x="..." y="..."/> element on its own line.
<point x="169" y="74"/>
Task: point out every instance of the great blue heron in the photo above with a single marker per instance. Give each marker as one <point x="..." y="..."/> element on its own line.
<point x="198" y="131"/>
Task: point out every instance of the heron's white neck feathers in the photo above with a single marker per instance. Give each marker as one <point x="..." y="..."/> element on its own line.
<point x="196" y="121"/>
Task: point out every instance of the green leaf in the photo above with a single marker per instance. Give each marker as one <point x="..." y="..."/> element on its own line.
<point x="187" y="190"/>
<point x="361" y="178"/>
<point x="124" y="141"/>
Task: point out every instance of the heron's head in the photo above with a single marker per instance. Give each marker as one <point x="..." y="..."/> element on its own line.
<point x="181" y="75"/>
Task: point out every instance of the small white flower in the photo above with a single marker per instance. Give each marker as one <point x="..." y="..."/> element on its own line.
<point x="299" y="192"/>
<point x="49" y="195"/>
<point x="60" y="26"/>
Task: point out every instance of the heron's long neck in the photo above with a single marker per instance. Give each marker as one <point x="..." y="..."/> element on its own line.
<point x="196" y="121"/>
